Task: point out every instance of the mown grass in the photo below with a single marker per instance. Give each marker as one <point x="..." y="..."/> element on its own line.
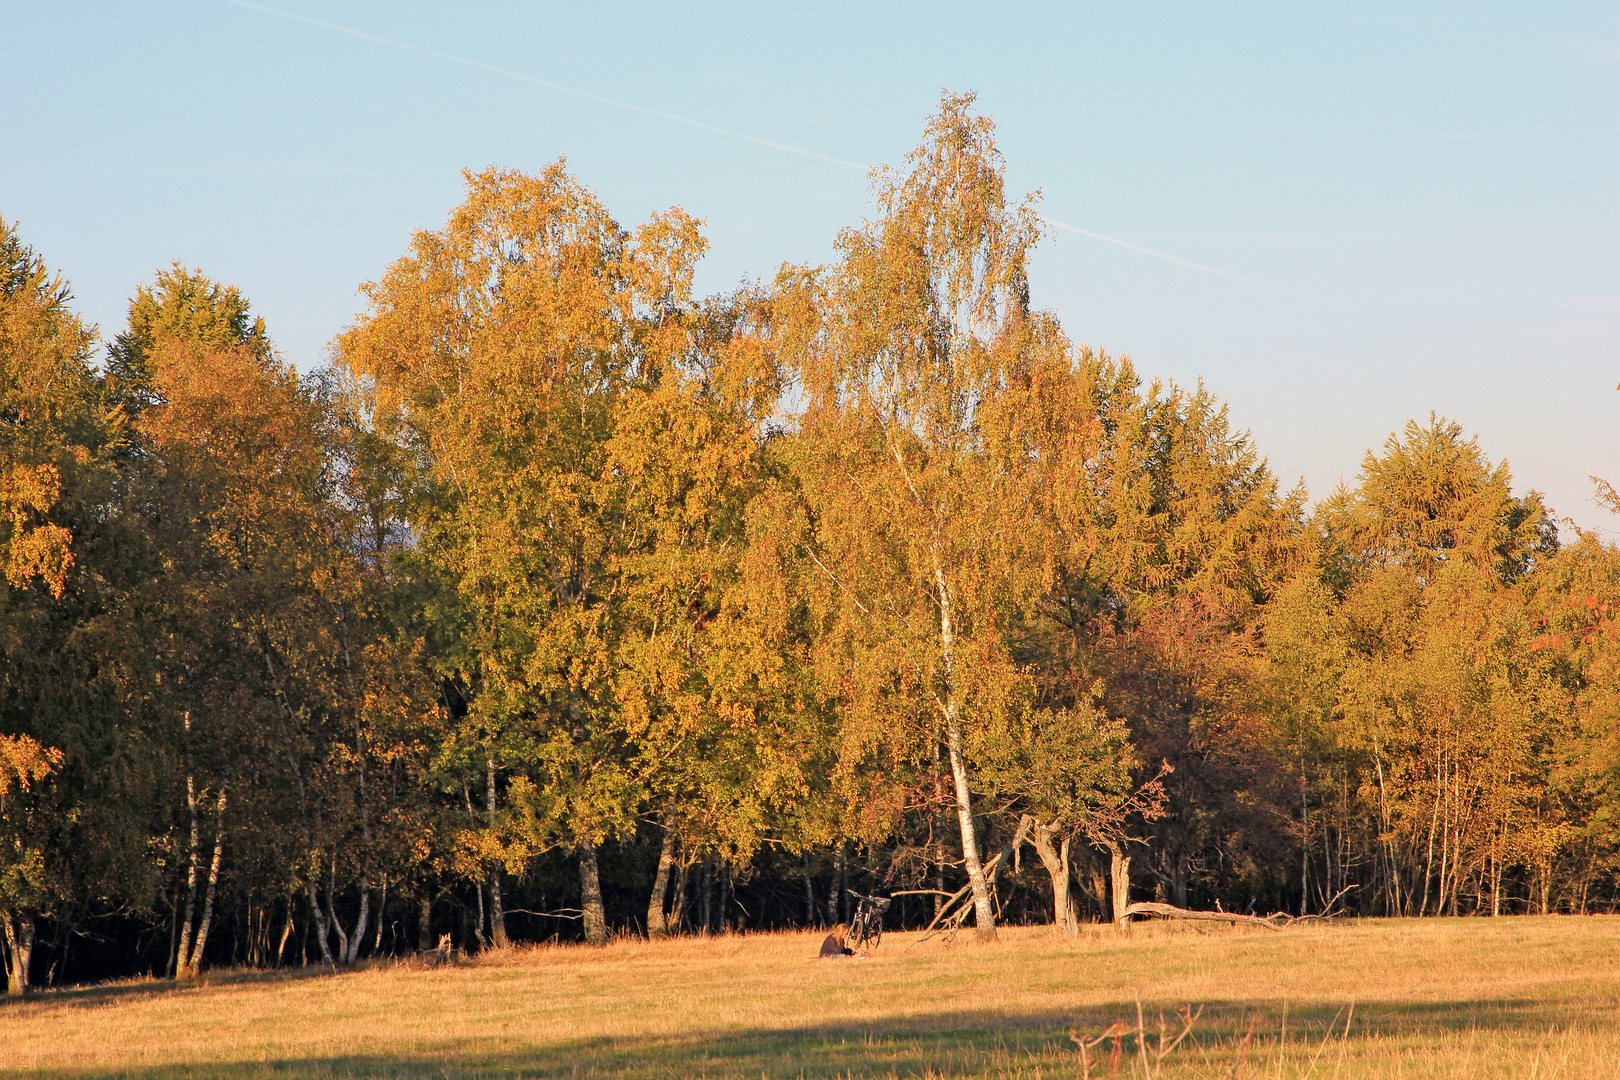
<point x="1514" y="997"/>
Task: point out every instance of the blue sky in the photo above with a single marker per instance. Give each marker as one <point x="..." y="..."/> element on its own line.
<point x="1424" y="195"/>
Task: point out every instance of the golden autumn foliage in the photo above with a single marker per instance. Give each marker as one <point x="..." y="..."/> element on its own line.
<point x="567" y="602"/>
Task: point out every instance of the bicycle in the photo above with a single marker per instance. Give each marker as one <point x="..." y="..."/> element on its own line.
<point x="866" y="927"/>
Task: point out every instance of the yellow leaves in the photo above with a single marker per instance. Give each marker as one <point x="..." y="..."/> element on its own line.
<point x="40" y="552"/>
<point x="24" y="762"/>
<point x="665" y="253"/>
<point x="35" y="549"/>
<point x="241" y="450"/>
<point x="1606" y="496"/>
<point x="44" y="347"/>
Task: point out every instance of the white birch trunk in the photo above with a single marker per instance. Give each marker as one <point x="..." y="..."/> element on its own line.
<point x="382" y="917"/>
<point x="332" y="915"/>
<point x="286" y="930"/>
<point x="194" y="963"/>
<point x="983" y="911"/>
<point x="321" y="927"/>
<point x="182" y="952"/>
<point x="497" y="914"/>
<point x="351" y="951"/>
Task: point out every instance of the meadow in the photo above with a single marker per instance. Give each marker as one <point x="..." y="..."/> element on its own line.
<point x="1522" y="997"/>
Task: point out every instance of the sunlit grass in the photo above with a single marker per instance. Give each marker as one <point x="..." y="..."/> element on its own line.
<point x="1437" y="998"/>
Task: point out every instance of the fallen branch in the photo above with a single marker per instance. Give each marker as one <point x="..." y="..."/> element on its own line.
<point x="1327" y="912"/>
<point x="1170" y="911"/>
<point x="929" y="931"/>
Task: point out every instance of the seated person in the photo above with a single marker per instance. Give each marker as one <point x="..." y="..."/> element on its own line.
<point x="834" y="945"/>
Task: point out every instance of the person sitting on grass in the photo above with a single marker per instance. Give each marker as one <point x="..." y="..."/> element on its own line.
<point x="834" y="946"/>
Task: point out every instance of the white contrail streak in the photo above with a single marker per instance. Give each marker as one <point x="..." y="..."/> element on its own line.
<point x="408" y="47"/>
<point x="1182" y="262"/>
<point x="687" y="120"/>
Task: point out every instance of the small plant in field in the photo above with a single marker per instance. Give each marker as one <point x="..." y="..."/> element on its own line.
<point x="1150" y="1054"/>
<point x="1236" y="1070"/>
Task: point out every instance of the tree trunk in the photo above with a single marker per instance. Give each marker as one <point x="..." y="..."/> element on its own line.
<point x="1057" y="867"/>
<point x="351" y="945"/>
<point x="497" y="914"/>
<point x="1434" y="821"/>
<point x="937" y="825"/>
<point x="351" y="952"/>
<point x="1069" y="877"/>
<point x="677" y="909"/>
<point x="182" y="954"/>
<point x="286" y="930"/>
<point x="590" y="896"/>
<point x="1170" y="911"/>
<point x="843" y="881"/>
<point x="424" y="923"/>
<point x="832" y="896"/>
<point x="1119" y="876"/>
<point x="656" y="926"/>
<point x="332" y="918"/>
<point x="1304" y="844"/>
<point x="194" y="962"/>
<point x="19" y="950"/>
<point x="1397" y="904"/>
<point x="725" y="896"/>
<point x="1100" y="890"/>
<point x="319" y="918"/>
<point x="382" y="917"/>
<point x="706" y="896"/>
<point x="809" y="893"/>
<point x="983" y="913"/>
<point x="174" y="932"/>
<point x="1496" y="870"/>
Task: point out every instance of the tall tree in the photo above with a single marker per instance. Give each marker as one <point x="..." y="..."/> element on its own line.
<point x="79" y="841"/>
<point x="918" y="507"/>
<point x="503" y="346"/>
<point x="183" y="304"/>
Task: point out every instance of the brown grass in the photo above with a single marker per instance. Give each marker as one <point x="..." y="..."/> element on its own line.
<point x="1434" y="998"/>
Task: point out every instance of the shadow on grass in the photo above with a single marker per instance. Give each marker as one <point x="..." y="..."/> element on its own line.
<point x="939" y="1044"/>
<point x="101" y="995"/>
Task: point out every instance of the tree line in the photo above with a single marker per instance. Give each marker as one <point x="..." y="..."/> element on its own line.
<point x="562" y="603"/>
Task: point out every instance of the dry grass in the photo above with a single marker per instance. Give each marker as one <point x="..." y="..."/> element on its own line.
<point x="1438" y="998"/>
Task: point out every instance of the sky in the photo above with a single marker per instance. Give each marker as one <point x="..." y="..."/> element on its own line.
<point x="1371" y="211"/>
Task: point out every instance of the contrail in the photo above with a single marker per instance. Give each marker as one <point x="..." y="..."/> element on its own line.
<point x="687" y="120"/>
<point x="408" y="47"/>
<point x="1183" y="262"/>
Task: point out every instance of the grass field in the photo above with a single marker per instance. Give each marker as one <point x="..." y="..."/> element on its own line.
<point x="1520" y="997"/>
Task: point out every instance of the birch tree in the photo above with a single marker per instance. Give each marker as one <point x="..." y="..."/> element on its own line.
<point x="916" y="498"/>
